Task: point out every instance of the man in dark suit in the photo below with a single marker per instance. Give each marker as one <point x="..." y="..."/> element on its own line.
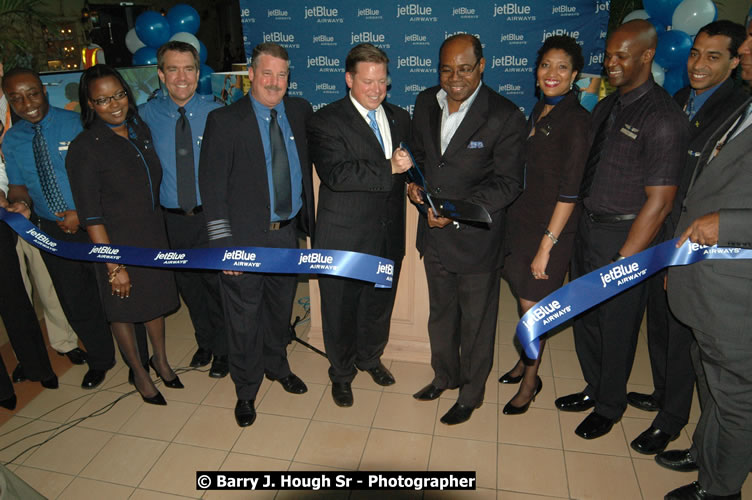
<point x="712" y="297"/>
<point x="468" y="141"/>
<point x="354" y="145"/>
<point x="709" y="99"/>
<point x="256" y="187"/>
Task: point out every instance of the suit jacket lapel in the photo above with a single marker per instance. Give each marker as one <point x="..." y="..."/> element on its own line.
<point x="711" y="106"/>
<point x="476" y="116"/>
<point x="393" y="125"/>
<point x="253" y="146"/>
<point x="434" y="122"/>
<point x="297" y="125"/>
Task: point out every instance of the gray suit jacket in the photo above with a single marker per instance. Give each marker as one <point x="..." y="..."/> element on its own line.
<point x="715" y="296"/>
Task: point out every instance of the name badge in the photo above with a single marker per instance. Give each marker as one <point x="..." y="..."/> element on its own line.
<point x="628" y="133"/>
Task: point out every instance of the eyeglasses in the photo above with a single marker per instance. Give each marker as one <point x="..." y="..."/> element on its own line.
<point x="103" y="101"/>
<point x="465" y="70"/>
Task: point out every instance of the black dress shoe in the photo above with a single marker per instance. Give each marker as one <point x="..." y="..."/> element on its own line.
<point x="50" y="383"/>
<point x="644" y="402"/>
<point x="93" y="378"/>
<point x="10" y="403"/>
<point x="342" y="394"/>
<point x="381" y="375"/>
<point x="508" y="378"/>
<point x="579" y="401"/>
<point x="220" y="367"/>
<point x="18" y="374"/>
<point x="76" y="356"/>
<point x="457" y="414"/>
<point x="652" y="441"/>
<point x="156" y="399"/>
<point x="172" y="384"/>
<point x="678" y="460"/>
<point x="510" y="409"/>
<point x="694" y="491"/>
<point x="428" y="393"/>
<point x="245" y="413"/>
<point x="293" y="384"/>
<point x="594" y="426"/>
<point x="201" y="358"/>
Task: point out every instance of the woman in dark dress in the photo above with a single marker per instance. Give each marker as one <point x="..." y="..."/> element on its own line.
<point x="115" y="175"/>
<point x="542" y="221"/>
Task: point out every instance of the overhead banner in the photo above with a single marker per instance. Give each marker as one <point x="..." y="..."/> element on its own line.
<point x="319" y="34"/>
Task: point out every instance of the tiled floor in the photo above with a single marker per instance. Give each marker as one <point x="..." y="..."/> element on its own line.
<point x="141" y="451"/>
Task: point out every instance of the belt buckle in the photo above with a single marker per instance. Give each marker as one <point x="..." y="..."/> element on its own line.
<point x="274" y="226"/>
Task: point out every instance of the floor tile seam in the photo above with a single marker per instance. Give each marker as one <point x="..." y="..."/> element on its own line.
<point x="307" y="427"/>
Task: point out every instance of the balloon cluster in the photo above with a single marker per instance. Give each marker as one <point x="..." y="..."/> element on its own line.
<point x="152" y="30"/>
<point x="677" y="22"/>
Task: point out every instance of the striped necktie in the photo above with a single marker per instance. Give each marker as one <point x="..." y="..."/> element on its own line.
<point x="47" y="178"/>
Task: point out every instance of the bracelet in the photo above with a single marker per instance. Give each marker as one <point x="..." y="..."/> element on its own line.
<point x="111" y="275"/>
<point x="551" y="236"/>
<point x="617" y="257"/>
<point x="24" y="202"/>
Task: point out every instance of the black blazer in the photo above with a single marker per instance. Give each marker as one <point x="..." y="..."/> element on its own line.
<point x="361" y="204"/>
<point x="232" y="173"/>
<point x="719" y="106"/>
<point x="482" y="164"/>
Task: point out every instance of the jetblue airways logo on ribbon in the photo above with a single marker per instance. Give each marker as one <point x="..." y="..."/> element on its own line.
<point x="600" y="285"/>
<point x="359" y="266"/>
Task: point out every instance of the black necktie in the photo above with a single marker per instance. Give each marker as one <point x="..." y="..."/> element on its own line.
<point x="280" y="169"/>
<point x="599" y="143"/>
<point x="184" y="166"/>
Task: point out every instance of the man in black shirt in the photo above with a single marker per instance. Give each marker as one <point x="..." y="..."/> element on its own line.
<point x="631" y="176"/>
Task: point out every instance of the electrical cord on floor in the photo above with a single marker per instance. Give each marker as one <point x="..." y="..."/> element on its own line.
<point x="69" y="425"/>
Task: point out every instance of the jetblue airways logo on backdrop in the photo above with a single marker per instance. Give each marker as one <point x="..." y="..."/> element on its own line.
<point x="447" y="34"/>
<point x="513" y="12"/>
<point x="511" y="89"/>
<point x="324" y="40"/>
<point x="565" y="10"/>
<point x="245" y="16"/>
<point x="370" y="13"/>
<point x="596" y="59"/>
<point x="561" y="31"/>
<point x="376" y="39"/>
<point x="511" y="64"/>
<point x="415" y="88"/>
<point x="286" y="40"/>
<point x="278" y="14"/>
<point x="622" y="274"/>
<point x="513" y="38"/>
<point x="416" y="64"/>
<point x="416" y="39"/>
<point x="465" y="12"/>
<point x="322" y="14"/>
<point x="326" y="88"/>
<point x="416" y="12"/>
<point x="325" y="64"/>
<point x="602" y="6"/>
<point x="293" y="90"/>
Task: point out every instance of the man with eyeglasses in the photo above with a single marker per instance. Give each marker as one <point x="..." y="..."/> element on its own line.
<point x="468" y="141"/>
<point x="35" y="149"/>
<point x="177" y="118"/>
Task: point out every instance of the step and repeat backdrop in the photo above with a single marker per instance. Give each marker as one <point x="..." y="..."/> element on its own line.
<point x="318" y="35"/>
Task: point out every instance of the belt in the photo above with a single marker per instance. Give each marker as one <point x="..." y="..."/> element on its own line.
<point x="609" y="218"/>
<point x="274" y="226"/>
<point x="180" y="211"/>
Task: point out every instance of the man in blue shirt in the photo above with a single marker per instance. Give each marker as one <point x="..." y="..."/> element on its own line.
<point x="35" y="150"/>
<point x="178" y="69"/>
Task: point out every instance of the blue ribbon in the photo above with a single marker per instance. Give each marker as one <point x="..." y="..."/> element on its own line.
<point x="342" y="263"/>
<point x="600" y="285"/>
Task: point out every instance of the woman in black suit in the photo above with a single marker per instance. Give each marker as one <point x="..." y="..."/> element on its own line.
<point x="542" y="221"/>
<point x="115" y="175"/>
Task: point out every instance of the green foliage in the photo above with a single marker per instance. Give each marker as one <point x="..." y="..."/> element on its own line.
<point x="619" y="9"/>
<point x="19" y="19"/>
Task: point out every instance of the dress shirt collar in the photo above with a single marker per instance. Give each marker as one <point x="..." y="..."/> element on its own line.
<point x="362" y="109"/>
<point x="265" y="112"/>
<point x="636" y="93"/>
<point x="700" y="100"/>
<point x="441" y="97"/>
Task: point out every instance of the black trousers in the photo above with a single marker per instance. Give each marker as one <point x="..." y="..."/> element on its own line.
<point x="606" y="336"/>
<point x="199" y="289"/>
<point x="461" y="327"/>
<point x="355" y="317"/>
<point x="257" y="309"/>
<point x="669" y="344"/>
<point x="76" y="287"/>
<point x="19" y="317"/>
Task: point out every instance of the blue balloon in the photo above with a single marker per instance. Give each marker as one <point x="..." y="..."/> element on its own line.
<point x="674" y="80"/>
<point x="661" y="10"/>
<point x="659" y="27"/>
<point x="183" y="17"/>
<point x="204" y="80"/>
<point x="202" y="53"/>
<point x="152" y="29"/>
<point x="673" y="49"/>
<point x="145" y="56"/>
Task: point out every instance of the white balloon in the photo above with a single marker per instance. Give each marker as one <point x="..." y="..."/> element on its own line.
<point x="659" y="74"/>
<point x="636" y="14"/>
<point x="132" y="41"/>
<point x="691" y="15"/>
<point x="186" y="37"/>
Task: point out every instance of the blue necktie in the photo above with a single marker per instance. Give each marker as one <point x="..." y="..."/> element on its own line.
<point x="690" y="109"/>
<point x="375" y="127"/>
<point x="47" y="178"/>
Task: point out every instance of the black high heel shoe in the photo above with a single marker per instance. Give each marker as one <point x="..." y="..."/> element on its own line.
<point x="508" y="378"/>
<point x="510" y="409"/>
<point x="172" y="384"/>
<point x="157" y="399"/>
